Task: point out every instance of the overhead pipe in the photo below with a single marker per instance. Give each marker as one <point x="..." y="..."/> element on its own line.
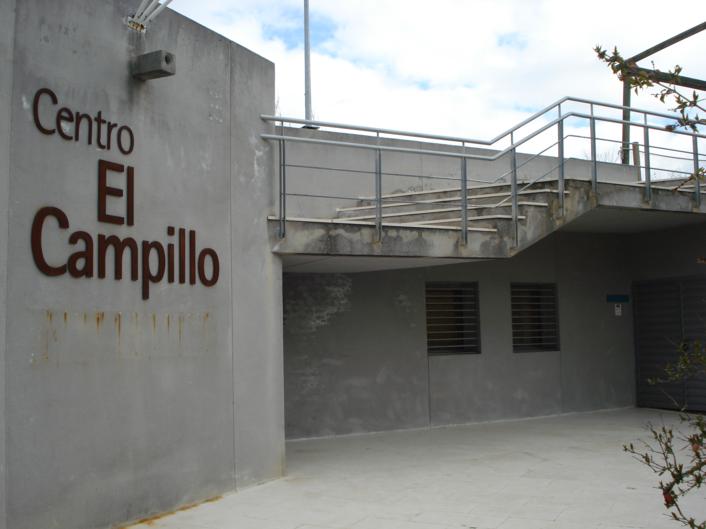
<point x="157" y="11"/>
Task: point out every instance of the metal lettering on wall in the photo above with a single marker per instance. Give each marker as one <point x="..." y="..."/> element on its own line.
<point x="176" y="261"/>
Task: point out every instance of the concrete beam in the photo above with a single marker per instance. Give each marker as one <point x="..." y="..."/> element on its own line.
<point x="326" y="238"/>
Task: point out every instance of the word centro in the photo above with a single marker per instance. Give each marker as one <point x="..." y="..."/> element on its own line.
<point x="149" y="262"/>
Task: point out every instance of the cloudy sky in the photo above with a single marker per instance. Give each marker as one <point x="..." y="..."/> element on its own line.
<point x="461" y="67"/>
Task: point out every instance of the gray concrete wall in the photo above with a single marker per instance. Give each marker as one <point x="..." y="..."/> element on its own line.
<point x="355" y="344"/>
<point x="668" y="253"/>
<point x="7" y="38"/>
<point x="119" y="407"/>
<point x="355" y="353"/>
<point x="257" y="283"/>
<point x="597" y="361"/>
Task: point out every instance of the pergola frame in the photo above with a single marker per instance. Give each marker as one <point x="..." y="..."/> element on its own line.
<point x="688" y="82"/>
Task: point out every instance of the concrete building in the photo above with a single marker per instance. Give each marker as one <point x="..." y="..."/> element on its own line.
<point x="186" y="281"/>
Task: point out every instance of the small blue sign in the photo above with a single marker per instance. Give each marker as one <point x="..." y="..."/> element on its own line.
<point x="618" y="298"/>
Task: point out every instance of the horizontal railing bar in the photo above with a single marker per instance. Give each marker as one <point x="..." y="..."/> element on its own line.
<point x="324" y="168"/>
<point x="363" y="128"/>
<point x="640" y="125"/>
<point x="533" y="117"/>
<point x="404" y="175"/>
<point x="392" y="132"/>
<point x="306" y="195"/>
<point x="652" y="147"/>
<point x="468" y="156"/>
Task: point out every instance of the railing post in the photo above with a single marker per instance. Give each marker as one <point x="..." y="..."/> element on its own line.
<point x="378" y="194"/>
<point x="513" y="191"/>
<point x="464" y="200"/>
<point x="282" y="189"/>
<point x="648" y="175"/>
<point x="561" y="164"/>
<point x="594" y="156"/>
<point x="697" y="182"/>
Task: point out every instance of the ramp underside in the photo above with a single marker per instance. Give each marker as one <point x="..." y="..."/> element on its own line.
<point x="341" y="244"/>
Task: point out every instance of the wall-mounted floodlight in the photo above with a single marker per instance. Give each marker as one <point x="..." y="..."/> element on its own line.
<point x="146" y="13"/>
<point x="153" y="65"/>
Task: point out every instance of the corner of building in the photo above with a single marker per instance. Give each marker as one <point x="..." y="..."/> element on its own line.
<point x="256" y="277"/>
<point x="7" y="32"/>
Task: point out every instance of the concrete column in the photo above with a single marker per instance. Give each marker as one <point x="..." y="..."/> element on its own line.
<point x="256" y="277"/>
<point x="7" y="32"/>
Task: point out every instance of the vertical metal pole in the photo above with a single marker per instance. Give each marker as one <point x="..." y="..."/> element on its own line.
<point x="282" y="189"/>
<point x="648" y="175"/>
<point x="560" y="186"/>
<point x="697" y="181"/>
<point x="636" y="155"/>
<point x="594" y="160"/>
<point x="625" y="151"/>
<point x="513" y="190"/>
<point x="378" y="194"/>
<point x="464" y="200"/>
<point x="309" y="115"/>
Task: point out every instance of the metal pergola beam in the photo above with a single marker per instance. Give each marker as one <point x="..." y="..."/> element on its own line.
<point x="688" y="82"/>
<point x="679" y="80"/>
<point x="662" y="45"/>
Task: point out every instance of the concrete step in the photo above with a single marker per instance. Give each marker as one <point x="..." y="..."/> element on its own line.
<point x="490" y="220"/>
<point x="450" y="193"/>
<point x="305" y="220"/>
<point x="411" y="208"/>
<point x="473" y="211"/>
<point x="422" y="216"/>
<point x="541" y="196"/>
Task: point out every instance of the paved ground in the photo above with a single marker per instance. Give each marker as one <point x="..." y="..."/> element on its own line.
<point x="565" y="472"/>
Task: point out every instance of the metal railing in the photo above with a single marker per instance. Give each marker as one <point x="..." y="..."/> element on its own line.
<point x="467" y="151"/>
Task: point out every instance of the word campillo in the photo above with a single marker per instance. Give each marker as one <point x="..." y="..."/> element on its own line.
<point x="176" y="261"/>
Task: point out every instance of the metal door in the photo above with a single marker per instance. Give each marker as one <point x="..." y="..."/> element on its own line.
<point x="668" y="313"/>
<point x="693" y="293"/>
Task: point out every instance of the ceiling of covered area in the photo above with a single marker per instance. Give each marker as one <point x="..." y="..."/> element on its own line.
<point x="599" y="220"/>
<point x="346" y="264"/>
<point x="620" y="220"/>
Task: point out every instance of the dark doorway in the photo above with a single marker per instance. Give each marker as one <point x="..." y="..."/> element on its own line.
<point x="668" y="314"/>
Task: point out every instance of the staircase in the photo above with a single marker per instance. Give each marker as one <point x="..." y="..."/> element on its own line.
<point x="514" y="198"/>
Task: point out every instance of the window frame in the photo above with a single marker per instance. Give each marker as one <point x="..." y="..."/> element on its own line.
<point x="548" y="342"/>
<point x="465" y="316"/>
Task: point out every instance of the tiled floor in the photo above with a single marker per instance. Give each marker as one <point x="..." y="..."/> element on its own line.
<point x="564" y="472"/>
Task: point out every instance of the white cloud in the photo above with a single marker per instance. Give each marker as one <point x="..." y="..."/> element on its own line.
<point x="442" y="67"/>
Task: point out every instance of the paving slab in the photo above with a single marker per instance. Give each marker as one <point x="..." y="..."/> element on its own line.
<point x="564" y="472"/>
